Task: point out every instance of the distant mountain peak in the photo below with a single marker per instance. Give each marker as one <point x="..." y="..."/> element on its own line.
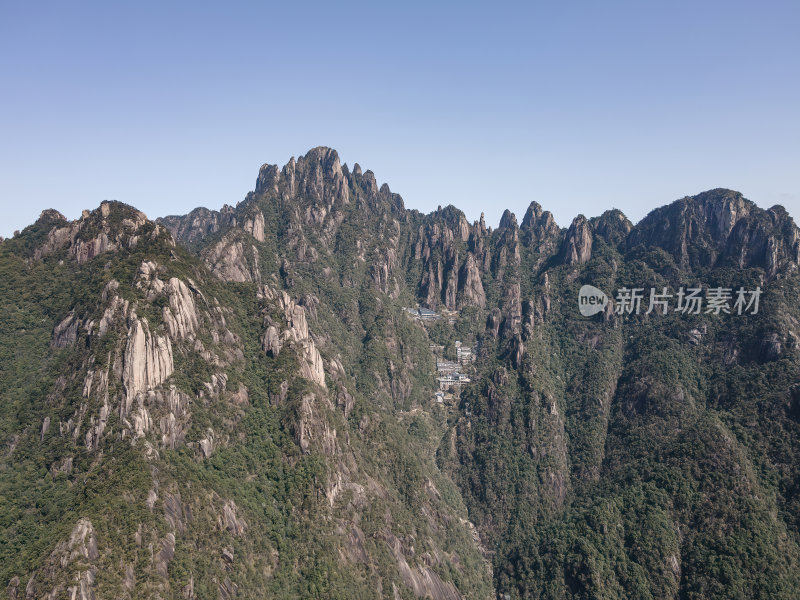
<point x="721" y="224"/>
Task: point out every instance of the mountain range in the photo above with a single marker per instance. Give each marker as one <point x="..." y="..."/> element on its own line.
<point x="318" y="393"/>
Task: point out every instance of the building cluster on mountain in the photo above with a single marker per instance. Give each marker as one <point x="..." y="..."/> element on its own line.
<point x="450" y="373"/>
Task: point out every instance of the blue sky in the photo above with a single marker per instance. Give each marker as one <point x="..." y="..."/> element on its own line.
<point x="579" y="106"/>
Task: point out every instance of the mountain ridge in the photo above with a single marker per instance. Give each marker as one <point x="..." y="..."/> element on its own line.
<point x="239" y="402"/>
<point x="324" y="163"/>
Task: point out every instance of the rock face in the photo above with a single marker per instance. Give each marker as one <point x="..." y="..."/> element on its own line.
<point x="471" y="288"/>
<point x="66" y="332"/>
<point x="424" y="582"/>
<point x="180" y="316"/>
<point x="612" y="226"/>
<point x="165" y="555"/>
<point x="254" y="225"/>
<point x="770" y="241"/>
<point x="295" y="333"/>
<point x="78" y="554"/>
<point x="142" y="361"/>
<point x="111" y="227"/>
<point x="452" y="261"/>
<point x="96" y="385"/>
<point x="232" y="260"/>
<point x="82" y="542"/>
<point x="539" y="230"/>
<point x="228" y="521"/>
<point x="310" y="427"/>
<point x="199" y="223"/>
<point x="721" y="227"/>
<point x="147" y="360"/>
<point x="577" y="247"/>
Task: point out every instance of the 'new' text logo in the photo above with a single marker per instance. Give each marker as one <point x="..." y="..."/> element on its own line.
<point x="591" y="300"/>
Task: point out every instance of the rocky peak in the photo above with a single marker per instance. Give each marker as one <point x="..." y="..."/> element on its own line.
<point x="577" y="246"/>
<point x="538" y="227"/>
<point x="767" y="239"/>
<point x="453" y="219"/>
<point x="288" y="174"/>
<point x="508" y="220"/>
<point x="312" y="192"/>
<point x="319" y="176"/>
<point x="721" y="225"/>
<point x="50" y="216"/>
<point x="369" y="183"/>
<point x="722" y="209"/>
<point x="507" y="245"/>
<point x="693" y="229"/>
<point x="470" y="285"/>
<point x="463" y="228"/>
<point x="115" y="211"/>
<point x="268" y="178"/>
<point x="613" y="226"/>
<point x="327" y="158"/>
<point x="532" y="215"/>
<point x="110" y="227"/>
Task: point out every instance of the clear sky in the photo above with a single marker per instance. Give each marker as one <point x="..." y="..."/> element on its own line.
<point x="581" y="106"/>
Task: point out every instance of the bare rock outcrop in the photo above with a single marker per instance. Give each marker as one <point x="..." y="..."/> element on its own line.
<point x="117" y="309"/>
<point x="539" y="230"/>
<point x="470" y="284"/>
<point x="232" y="260"/>
<point x="424" y="581"/>
<point x="180" y="316"/>
<point x="721" y="227"/>
<point x="613" y="226"/>
<point x="199" y="223"/>
<point x="382" y="271"/>
<point x="111" y="227"/>
<point x="229" y="521"/>
<point x="82" y="543"/>
<point x="577" y="247"/>
<point x="96" y="385"/>
<point x="254" y="225"/>
<point x="206" y="445"/>
<point x="165" y="554"/>
<point x="310" y="427"/>
<point x="174" y="421"/>
<point x="147" y="359"/>
<point x="512" y="309"/>
<point x="319" y="176"/>
<point x="73" y="557"/>
<point x="66" y="332"/>
<point x="769" y="240"/>
<point x="295" y="332"/>
<point x="344" y="399"/>
<point x="177" y="513"/>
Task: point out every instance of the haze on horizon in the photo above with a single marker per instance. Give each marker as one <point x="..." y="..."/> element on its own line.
<point x="581" y="108"/>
